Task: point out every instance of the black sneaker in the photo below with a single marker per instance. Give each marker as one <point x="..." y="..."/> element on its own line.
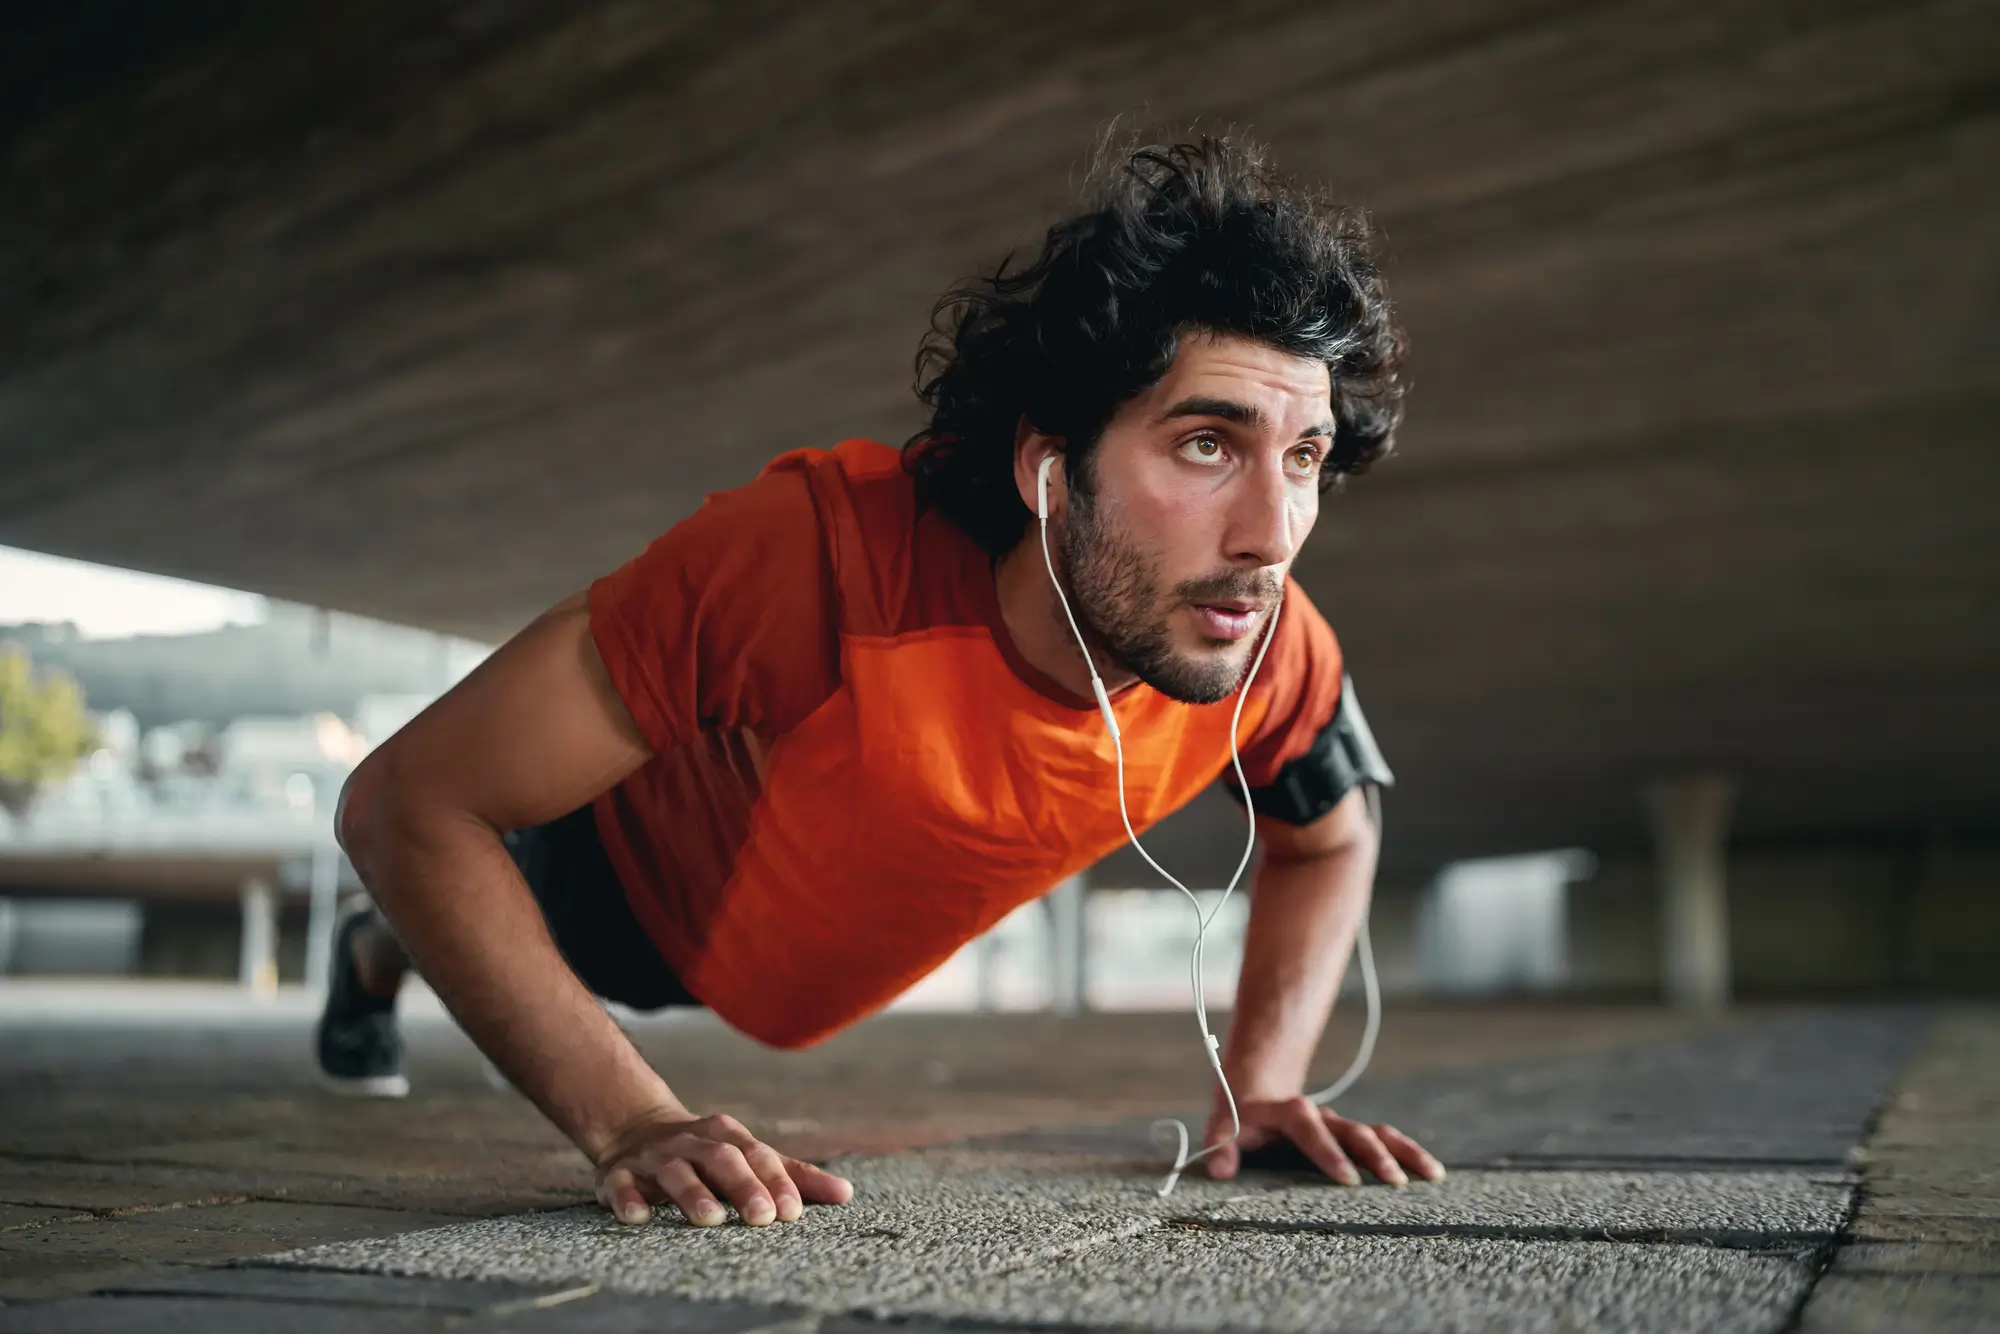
<point x="360" y="1052"/>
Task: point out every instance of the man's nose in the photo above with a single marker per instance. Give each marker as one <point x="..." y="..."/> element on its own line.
<point x="1262" y="522"/>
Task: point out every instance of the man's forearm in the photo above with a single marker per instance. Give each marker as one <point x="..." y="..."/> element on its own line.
<point x="461" y="908"/>
<point x="1303" y="917"/>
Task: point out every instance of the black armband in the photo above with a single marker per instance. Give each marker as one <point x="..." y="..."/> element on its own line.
<point x="1342" y="757"/>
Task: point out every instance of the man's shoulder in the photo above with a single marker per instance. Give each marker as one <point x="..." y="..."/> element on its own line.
<point x="861" y="479"/>
<point x="898" y="566"/>
<point x="825" y="503"/>
<point x="1305" y="646"/>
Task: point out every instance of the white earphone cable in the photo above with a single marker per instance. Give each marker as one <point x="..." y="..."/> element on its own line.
<point x="1211" y="1047"/>
<point x="1371" y="985"/>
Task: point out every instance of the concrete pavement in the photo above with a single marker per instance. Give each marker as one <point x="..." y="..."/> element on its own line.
<point x="1612" y="1170"/>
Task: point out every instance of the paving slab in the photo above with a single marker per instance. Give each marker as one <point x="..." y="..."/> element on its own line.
<point x="510" y="1185"/>
<point x="1970" y="1193"/>
<point x="201" y="1315"/>
<point x="1174" y="1278"/>
<point x="1977" y="1259"/>
<point x="322" y="1288"/>
<point x="1732" y="1208"/>
<point x="59" y="1276"/>
<point x="1187" y="1278"/>
<point x="1150" y="1274"/>
<point x="966" y="1233"/>
<point x="81" y="1187"/>
<point x="1742" y="1207"/>
<point x="1923" y="1250"/>
<point x="1936" y="1303"/>
<point x="857" y="1257"/>
<point x="317" y="1302"/>
<point x="43" y="1261"/>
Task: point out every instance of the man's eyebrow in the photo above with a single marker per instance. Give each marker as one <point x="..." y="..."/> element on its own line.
<point x="1243" y="414"/>
<point x="1229" y="410"/>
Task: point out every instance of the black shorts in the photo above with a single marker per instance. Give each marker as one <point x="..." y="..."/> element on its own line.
<point x="581" y="899"/>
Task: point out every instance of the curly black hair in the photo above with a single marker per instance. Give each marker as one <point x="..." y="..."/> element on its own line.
<point x="1178" y="238"/>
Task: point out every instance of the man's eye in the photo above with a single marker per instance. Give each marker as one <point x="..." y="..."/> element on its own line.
<point x="1305" y="459"/>
<point x="1203" y="449"/>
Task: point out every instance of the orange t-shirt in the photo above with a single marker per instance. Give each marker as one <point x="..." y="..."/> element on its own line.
<point x="854" y="772"/>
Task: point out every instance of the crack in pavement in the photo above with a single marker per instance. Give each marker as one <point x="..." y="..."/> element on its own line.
<point x="78" y="1217"/>
<point x="86" y="1215"/>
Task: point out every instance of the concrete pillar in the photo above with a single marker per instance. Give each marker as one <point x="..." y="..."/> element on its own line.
<point x="1067" y="946"/>
<point x="257" y="965"/>
<point x="986" y="980"/>
<point x="1690" y="819"/>
<point x="322" y="907"/>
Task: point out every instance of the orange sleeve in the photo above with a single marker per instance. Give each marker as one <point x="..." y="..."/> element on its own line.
<point x="1302" y="673"/>
<point x="727" y="619"/>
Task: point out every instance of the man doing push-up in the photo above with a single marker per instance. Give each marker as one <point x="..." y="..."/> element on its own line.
<point x="835" y="724"/>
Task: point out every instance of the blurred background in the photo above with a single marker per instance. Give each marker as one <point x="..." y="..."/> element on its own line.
<point x="338" y="340"/>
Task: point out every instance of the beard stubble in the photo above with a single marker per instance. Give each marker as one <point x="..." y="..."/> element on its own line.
<point x="1124" y="611"/>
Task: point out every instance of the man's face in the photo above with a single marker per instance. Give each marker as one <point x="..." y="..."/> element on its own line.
<point x="1200" y="491"/>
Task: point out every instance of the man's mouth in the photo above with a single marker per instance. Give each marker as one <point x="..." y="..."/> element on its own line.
<point x="1228" y="619"/>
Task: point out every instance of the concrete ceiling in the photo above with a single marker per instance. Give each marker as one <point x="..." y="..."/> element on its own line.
<point x="433" y="312"/>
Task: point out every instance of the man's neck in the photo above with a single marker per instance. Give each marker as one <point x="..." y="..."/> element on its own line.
<point x="1036" y="624"/>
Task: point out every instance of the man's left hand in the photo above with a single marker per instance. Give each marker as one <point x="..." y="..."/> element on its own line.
<point x="1333" y="1142"/>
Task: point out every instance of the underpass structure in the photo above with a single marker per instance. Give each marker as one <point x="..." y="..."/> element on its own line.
<point x="434" y="313"/>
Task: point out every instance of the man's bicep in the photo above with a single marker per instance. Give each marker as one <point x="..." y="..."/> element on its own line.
<point x="1344" y="825"/>
<point x="535" y="731"/>
<point x="1342" y="757"/>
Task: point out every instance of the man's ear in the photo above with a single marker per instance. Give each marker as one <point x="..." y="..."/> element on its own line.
<point x="1030" y="448"/>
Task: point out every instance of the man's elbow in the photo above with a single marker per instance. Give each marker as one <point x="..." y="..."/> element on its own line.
<point x="347" y="815"/>
<point x="360" y="816"/>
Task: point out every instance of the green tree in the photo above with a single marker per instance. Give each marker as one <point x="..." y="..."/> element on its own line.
<point x="44" y="729"/>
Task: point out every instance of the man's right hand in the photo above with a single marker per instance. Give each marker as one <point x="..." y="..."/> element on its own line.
<point x="689" y="1160"/>
<point x="421" y="819"/>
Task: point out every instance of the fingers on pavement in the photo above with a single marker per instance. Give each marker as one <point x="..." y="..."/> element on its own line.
<point x="1411" y="1154"/>
<point x="767" y="1163"/>
<point x="729" y="1173"/>
<point x="1366" y="1147"/>
<point x="770" y="1169"/>
<point x="619" y="1192"/>
<point x="690" y="1194"/>
<point x="1308" y="1129"/>
<point x="817" y="1185"/>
